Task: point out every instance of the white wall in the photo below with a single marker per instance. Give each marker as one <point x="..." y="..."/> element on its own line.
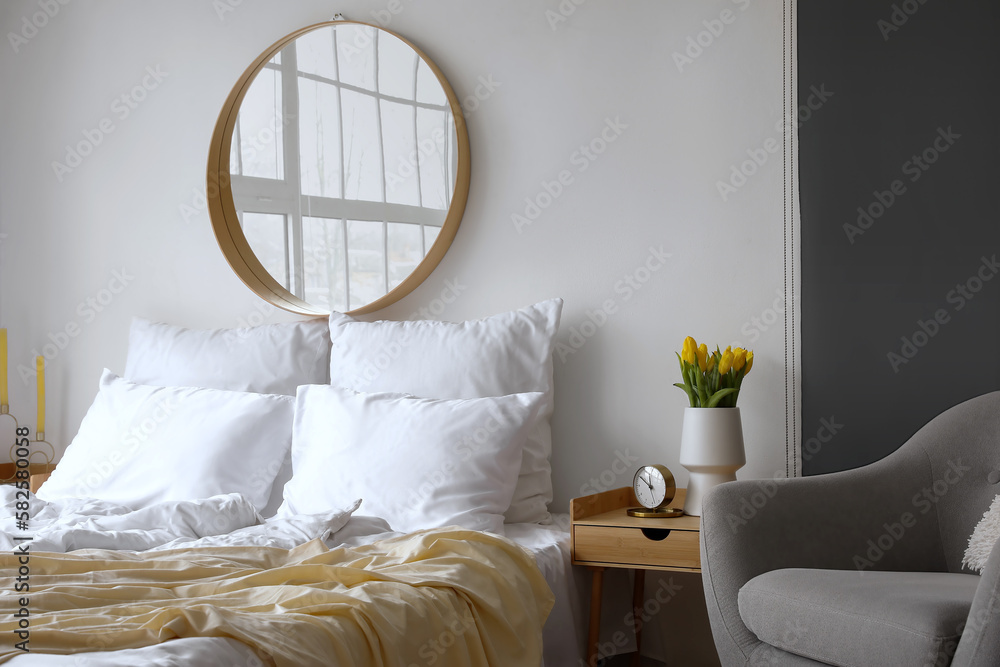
<point x="653" y="187"/>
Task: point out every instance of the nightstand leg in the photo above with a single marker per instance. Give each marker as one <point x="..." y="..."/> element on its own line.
<point x="638" y="602"/>
<point x="594" y="638"/>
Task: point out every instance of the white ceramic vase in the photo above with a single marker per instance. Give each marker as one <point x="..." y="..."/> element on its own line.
<point x="711" y="450"/>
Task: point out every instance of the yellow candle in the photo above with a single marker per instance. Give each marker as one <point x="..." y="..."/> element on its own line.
<point x="3" y="368"/>
<point x="40" y="371"/>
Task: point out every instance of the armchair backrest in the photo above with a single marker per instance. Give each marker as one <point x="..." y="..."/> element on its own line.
<point x="962" y="449"/>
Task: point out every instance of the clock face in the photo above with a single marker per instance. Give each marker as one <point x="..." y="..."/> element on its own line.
<point x="650" y="487"/>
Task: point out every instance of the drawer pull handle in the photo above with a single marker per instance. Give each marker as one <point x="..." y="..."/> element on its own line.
<point x="656" y="534"/>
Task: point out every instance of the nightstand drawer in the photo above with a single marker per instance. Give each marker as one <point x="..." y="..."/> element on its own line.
<point x="613" y="545"/>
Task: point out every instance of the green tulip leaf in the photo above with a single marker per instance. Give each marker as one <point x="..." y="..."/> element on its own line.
<point x="719" y="395"/>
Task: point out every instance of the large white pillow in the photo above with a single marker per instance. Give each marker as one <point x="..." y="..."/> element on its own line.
<point x="416" y="462"/>
<point x="267" y="359"/>
<point x="504" y="354"/>
<point x="139" y="445"/>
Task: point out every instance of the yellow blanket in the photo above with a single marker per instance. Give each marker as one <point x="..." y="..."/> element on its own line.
<point x="441" y="597"/>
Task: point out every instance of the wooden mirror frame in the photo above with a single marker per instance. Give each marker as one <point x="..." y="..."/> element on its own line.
<point x="222" y="206"/>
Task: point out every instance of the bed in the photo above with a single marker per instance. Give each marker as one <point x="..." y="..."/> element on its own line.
<point x="324" y="492"/>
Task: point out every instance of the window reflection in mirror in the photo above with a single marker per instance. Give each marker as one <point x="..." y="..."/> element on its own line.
<point x="344" y="159"/>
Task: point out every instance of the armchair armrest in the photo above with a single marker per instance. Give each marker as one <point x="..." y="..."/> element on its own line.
<point x="876" y="517"/>
<point x="980" y="642"/>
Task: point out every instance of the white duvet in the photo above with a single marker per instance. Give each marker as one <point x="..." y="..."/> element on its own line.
<point x="225" y="520"/>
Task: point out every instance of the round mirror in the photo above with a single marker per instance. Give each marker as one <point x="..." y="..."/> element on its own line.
<point x="339" y="170"/>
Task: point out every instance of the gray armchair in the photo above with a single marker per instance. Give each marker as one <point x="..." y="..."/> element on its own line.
<point x="862" y="567"/>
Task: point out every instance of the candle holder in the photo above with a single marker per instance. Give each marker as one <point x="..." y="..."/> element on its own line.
<point x="8" y="429"/>
<point x="41" y="453"/>
<point x="8" y="433"/>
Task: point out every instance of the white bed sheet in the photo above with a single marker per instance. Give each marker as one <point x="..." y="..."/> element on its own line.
<point x="563" y="634"/>
<point x="565" y="630"/>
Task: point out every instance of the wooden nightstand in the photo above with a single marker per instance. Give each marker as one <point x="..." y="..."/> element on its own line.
<point x="605" y="536"/>
<point x="38" y="473"/>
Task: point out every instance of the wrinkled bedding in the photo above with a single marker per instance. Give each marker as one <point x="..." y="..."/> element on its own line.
<point x="225" y="520"/>
<point x="214" y="569"/>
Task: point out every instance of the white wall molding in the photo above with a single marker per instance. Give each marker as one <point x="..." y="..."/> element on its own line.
<point x="791" y="221"/>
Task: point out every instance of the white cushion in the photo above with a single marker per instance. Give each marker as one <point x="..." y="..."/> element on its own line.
<point x="504" y="354"/>
<point x="416" y="462"/>
<point x="269" y="359"/>
<point x="139" y="445"/>
<point x="984" y="538"/>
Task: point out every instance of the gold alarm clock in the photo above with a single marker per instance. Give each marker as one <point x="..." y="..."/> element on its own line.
<point x="654" y="488"/>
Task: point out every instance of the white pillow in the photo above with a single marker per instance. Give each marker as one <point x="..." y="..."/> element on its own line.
<point x="984" y="538"/>
<point x="269" y="359"/>
<point x="416" y="462"/>
<point x="139" y="445"/>
<point x="504" y="354"/>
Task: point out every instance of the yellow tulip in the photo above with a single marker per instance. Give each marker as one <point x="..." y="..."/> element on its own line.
<point x="739" y="358"/>
<point x="689" y="351"/>
<point x="702" y="354"/>
<point x="711" y="363"/>
<point x="726" y="362"/>
<point x="749" y="361"/>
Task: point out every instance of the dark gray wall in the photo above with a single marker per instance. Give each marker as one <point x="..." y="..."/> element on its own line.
<point x="910" y="102"/>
